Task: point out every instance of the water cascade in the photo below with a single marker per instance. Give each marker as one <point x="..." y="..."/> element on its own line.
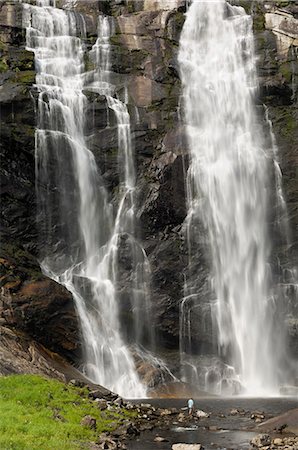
<point x="78" y="226"/>
<point x="125" y="222"/>
<point x="226" y="229"/>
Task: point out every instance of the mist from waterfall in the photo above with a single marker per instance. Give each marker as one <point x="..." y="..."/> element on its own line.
<point x="79" y="228"/>
<point x="226" y="226"/>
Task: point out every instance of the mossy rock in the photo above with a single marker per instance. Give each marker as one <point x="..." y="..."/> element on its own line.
<point x="18" y="255"/>
<point x="258" y="18"/>
<point x="290" y="126"/>
<point x="3" y="65"/>
<point x="286" y="70"/>
<point x="246" y="4"/>
<point x="116" y="39"/>
<point x="286" y="121"/>
<point x="90" y="40"/>
<point x="25" y="77"/>
<point x="3" y="46"/>
<point x="174" y="26"/>
<point x="283" y="3"/>
<point x="89" y="64"/>
<point x="124" y="60"/>
<point x="21" y="59"/>
<point x="131" y="6"/>
<point x="179" y="19"/>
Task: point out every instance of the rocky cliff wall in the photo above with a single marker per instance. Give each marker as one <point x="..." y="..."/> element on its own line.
<point x="144" y="63"/>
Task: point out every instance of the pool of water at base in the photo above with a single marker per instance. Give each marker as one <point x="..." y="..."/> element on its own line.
<point x="234" y="431"/>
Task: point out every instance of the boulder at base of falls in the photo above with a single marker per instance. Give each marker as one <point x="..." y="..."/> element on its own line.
<point x="261" y="440"/>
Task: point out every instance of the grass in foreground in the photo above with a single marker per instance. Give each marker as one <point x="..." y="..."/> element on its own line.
<point x="43" y="414"/>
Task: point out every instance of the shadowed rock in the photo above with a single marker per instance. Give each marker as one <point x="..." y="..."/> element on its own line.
<point x="290" y="419"/>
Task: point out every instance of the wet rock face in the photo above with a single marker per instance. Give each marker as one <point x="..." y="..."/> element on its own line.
<point x="144" y="61"/>
<point x="37" y="305"/>
<point x="277" y="47"/>
<point x="17" y="131"/>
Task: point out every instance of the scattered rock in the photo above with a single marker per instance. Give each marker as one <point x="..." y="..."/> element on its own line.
<point x="145" y="406"/>
<point x="146" y="427"/>
<point x="261" y="440"/>
<point x="108" y="444"/>
<point x="166" y="412"/>
<point x="132" y="430"/>
<point x="257" y="416"/>
<point x="181" y="417"/>
<point x="234" y="412"/>
<point x="95" y="394"/>
<point x="101" y="403"/>
<point x="213" y="428"/>
<point x="277" y="441"/>
<point x="58" y="416"/>
<point x="118" y="401"/>
<point x="89" y="421"/>
<point x="289" y="443"/>
<point x="202" y="414"/>
<point x="77" y="383"/>
<point x="187" y="447"/>
<point x="160" y="439"/>
<point x="280" y="428"/>
<point x="130" y="406"/>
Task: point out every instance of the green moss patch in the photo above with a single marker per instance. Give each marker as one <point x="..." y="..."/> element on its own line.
<point x="42" y="414"/>
<point x="3" y="65"/>
<point x="258" y="19"/>
<point x="286" y="71"/>
<point x="285" y="122"/>
<point x="25" y="77"/>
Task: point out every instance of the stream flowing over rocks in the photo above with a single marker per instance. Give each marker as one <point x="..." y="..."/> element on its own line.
<point x="94" y="190"/>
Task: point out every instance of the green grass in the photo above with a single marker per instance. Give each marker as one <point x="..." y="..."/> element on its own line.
<point x="42" y="414"/>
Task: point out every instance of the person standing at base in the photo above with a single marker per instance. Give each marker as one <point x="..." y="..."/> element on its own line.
<point x="190" y="405"/>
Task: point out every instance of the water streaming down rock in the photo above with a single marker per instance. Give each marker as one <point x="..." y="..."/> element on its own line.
<point x="226" y="228"/>
<point x="282" y="221"/>
<point x="125" y="222"/>
<point x="80" y="235"/>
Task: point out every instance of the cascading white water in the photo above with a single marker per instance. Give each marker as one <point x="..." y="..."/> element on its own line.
<point x="227" y="185"/>
<point x="125" y="225"/>
<point x="80" y="235"/>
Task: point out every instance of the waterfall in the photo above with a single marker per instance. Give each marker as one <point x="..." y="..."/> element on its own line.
<point x="226" y="226"/>
<point x="125" y="222"/>
<point x="80" y="234"/>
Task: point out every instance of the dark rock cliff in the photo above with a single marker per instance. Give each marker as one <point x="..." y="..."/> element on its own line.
<point x="144" y="61"/>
